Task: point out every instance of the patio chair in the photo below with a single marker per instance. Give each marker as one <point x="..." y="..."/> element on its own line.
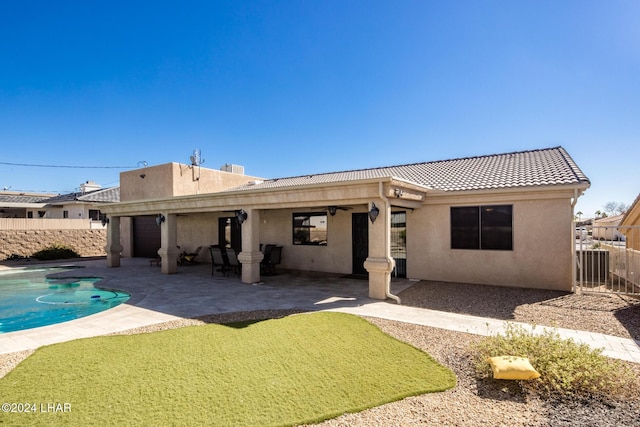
<point x="272" y="257"/>
<point x="189" y="258"/>
<point x="233" y="261"/>
<point x="217" y="260"/>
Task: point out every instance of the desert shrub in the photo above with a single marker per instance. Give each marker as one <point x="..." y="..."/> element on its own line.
<point x="55" y="251"/>
<point x="567" y="368"/>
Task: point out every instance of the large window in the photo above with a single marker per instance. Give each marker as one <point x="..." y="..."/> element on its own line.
<point x="310" y="228"/>
<point x="482" y="227"/>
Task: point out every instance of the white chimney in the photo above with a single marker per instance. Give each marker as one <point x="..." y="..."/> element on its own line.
<point x="89" y="186"/>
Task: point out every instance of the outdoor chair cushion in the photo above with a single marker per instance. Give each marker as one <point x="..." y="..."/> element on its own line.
<point x="512" y="368"/>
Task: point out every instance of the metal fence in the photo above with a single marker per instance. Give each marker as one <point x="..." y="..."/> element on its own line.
<point x="608" y="259"/>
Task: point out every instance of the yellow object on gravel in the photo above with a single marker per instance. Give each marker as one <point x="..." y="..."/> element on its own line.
<point x="512" y="368"/>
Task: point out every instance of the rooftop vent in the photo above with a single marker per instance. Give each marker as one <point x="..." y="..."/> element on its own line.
<point x="232" y="168"/>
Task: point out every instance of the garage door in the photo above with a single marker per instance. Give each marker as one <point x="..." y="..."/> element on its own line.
<point x="146" y="237"/>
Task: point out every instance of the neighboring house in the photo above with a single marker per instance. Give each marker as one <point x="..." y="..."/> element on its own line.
<point x="22" y="204"/>
<point x="84" y="204"/>
<point x="607" y="228"/>
<point x="630" y="225"/>
<point x="504" y="219"/>
<point x="31" y="222"/>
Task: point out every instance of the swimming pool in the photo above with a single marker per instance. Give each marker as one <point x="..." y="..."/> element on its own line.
<point x="28" y="299"/>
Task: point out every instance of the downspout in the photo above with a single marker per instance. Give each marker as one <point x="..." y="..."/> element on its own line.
<point x="573" y="239"/>
<point x="387" y="239"/>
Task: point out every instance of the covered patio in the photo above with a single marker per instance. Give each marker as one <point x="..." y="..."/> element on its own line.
<point x="267" y="218"/>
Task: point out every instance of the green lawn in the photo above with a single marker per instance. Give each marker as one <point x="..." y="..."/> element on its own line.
<point x="299" y="369"/>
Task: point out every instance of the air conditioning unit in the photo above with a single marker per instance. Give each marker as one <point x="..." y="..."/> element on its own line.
<point x="232" y="168"/>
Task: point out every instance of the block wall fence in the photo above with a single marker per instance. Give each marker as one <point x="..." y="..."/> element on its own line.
<point x="26" y="242"/>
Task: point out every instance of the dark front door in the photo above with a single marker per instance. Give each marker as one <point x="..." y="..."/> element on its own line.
<point x="146" y="237"/>
<point x="399" y="242"/>
<point x="230" y="233"/>
<point x="359" y="241"/>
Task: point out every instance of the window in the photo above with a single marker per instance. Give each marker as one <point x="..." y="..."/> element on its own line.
<point x="310" y="228"/>
<point x="482" y="227"/>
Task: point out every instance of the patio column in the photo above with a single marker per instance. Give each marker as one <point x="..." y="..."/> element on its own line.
<point x="379" y="263"/>
<point x="169" y="251"/>
<point x="113" y="247"/>
<point x="251" y="256"/>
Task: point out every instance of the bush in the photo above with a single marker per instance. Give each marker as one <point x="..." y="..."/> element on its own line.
<point x="56" y="251"/>
<point x="567" y="368"/>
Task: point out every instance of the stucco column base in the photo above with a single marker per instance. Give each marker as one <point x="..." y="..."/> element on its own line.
<point x="113" y="255"/>
<point x="379" y="275"/>
<point x="250" y="266"/>
<point x="169" y="257"/>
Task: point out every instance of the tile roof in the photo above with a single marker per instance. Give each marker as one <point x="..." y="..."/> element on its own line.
<point x="543" y="167"/>
<point x="104" y="195"/>
<point x="23" y="198"/>
<point x="626" y="220"/>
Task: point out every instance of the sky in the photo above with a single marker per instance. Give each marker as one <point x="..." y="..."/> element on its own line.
<point x="89" y="89"/>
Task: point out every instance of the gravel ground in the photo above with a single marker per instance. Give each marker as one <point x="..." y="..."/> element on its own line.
<point x="475" y="402"/>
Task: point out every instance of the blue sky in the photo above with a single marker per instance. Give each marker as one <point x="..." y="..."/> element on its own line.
<point x="294" y="87"/>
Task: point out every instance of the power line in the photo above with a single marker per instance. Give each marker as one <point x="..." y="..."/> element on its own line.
<point x="67" y="166"/>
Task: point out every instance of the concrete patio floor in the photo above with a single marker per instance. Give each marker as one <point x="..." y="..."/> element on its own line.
<point x="193" y="291"/>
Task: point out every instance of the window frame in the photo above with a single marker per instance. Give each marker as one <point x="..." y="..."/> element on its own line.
<point x="300" y="229"/>
<point x="482" y="227"/>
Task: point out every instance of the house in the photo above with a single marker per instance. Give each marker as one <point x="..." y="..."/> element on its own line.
<point x="504" y="219"/>
<point x="30" y="222"/>
<point x="607" y="228"/>
<point x="77" y="205"/>
<point x="630" y="226"/>
<point x="82" y="204"/>
<point x="21" y="204"/>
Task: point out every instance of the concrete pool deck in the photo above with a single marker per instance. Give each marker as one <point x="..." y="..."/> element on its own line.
<point x="192" y="292"/>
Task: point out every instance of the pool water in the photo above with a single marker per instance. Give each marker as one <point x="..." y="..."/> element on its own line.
<point x="29" y="300"/>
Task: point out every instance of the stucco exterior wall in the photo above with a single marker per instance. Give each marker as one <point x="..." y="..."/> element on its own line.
<point x="277" y="228"/>
<point x="541" y="255"/>
<point x="198" y="230"/>
<point x="74" y="211"/>
<point x="176" y="179"/>
<point x="632" y="219"/>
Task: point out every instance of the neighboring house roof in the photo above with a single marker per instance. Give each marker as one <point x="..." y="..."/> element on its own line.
<point x="23" y="198"/>
<point x="543" y="167"/>
<point x="104" y="195"/>
<point x="613" y="219"/>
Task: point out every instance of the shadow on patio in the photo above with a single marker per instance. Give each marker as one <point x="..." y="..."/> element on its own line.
<point x="194" y="292"/>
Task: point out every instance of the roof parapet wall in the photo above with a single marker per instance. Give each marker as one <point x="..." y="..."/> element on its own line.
<point x="176" y="179"/>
